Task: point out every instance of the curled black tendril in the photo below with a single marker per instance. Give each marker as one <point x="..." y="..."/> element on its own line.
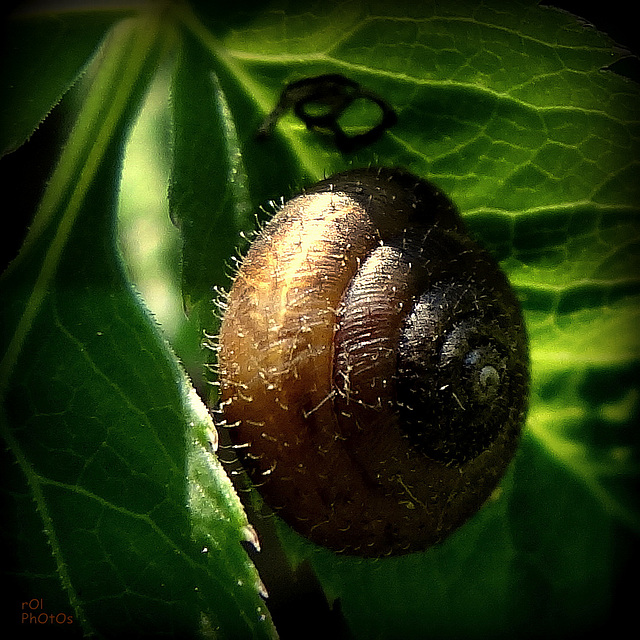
<point x="332" y="94"/>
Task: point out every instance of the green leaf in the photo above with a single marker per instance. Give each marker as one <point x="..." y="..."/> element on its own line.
<point x="219" y="174"/>
<point x="139" y="529"/>
<point x="209" y="189"/>
<point x="509" y="110"/>
<point x="44" y="55"/>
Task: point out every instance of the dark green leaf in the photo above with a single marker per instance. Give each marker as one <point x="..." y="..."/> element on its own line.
<point x="114" y="451"/>
<point x="43" y="56"/>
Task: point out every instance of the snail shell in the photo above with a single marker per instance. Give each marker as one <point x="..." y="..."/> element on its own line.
<point x="373" y="365"/>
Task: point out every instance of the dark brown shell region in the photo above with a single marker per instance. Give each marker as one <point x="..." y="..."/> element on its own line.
<point x="373" y="365"/>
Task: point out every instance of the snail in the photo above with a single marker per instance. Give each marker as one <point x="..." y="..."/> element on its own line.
<point x="373" y="365"/>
